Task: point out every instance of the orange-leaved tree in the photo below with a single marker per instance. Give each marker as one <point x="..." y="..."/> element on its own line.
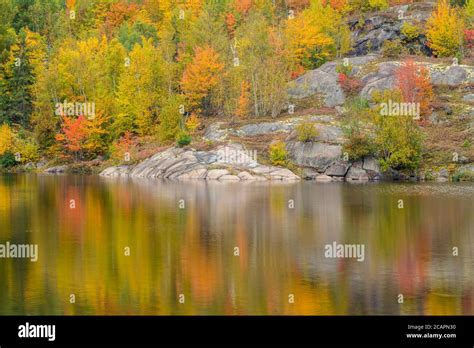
<point x="73" y="135"/>
<point x="119" y="13"/>
<point x="200" y="77"/>
<point x="231" y="23"/>
<point x="244" y="100"/>
<point x="242" y="6"/>
<point x="239" y="9"/>
<point x="414" y="83"/>
<point x="124" y="149"/>
<point x="297" y="5"/>
<point x="338" y="5"/>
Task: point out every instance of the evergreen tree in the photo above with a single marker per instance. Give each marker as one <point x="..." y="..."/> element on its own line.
<point x="7" y="33"/>
<point x="17" y="102"/>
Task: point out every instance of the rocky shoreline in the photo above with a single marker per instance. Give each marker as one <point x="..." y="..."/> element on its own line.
<point x="230" y="163"/>
<point x="321" y="159"/>
<point x="226" y="163"/>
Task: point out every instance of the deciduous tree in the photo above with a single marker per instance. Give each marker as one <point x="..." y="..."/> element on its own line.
<point x="244" y="100"/>
<point x="444" y="30"/>
<point x="73" y="135"/>
<point x="415" y="85"/>
<point x="140" y="91"/>
<point x="200" y="77"/>
<point x="264" y="63"/>
<point x="316" y="35"/>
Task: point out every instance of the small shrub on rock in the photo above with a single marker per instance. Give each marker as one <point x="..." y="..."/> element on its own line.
<point x="410" y="31"/>
<point x="350" y="85"/>
<point x="344" y="69"/>
<point x="278" y="154"/>
<point x="183" y="138"/>
<point x="7" y="160"/>
<point x="358" y="144"/>
<point x="392" y="48"/>
<point x="306" y="131"/>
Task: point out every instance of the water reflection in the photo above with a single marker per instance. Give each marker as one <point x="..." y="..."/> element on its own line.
<point x="191" y="251"/>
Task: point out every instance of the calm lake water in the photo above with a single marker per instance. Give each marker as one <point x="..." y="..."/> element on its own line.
<point x="281" y="266"/>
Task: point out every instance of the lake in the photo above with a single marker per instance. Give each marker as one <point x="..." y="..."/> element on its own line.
<point x="145" y="247"/>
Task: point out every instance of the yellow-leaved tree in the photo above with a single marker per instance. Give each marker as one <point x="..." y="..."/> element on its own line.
<point x="13" y="145"/>
<point x="81" y="71"/>
<point x="163" y="11"/>
<point x="7" y="139"/>
<point x="444" y="30"/>
<point x="316" y="35"/>
<point x="200" y="77"/>
<point x="140" y="90"/>
<point x="469" y="11"/>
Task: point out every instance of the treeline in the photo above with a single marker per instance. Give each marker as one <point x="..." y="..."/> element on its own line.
<point x="81" y="79"/>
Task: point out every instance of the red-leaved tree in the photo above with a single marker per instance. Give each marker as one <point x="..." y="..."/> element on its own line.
<point x="414" y="83"/>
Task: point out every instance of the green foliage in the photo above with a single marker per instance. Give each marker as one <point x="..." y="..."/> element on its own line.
<point x="278" y="154"/>
<point x="469" y="10"/>
<point x="7" y="160"/>
<point x="399" y="143"/>
<point x="208" y="31"/>
<point x="264" y="64"/>
<point x="7" y="33"/>
<point x="29" y="151"/>
<point x="306" y="131"/>
<point x="359" y="143"/>
<point x="392" y="48"/>
<point x="344" y="69"/>
<point x="357" y="105"/>
<point x="368" y="5"/>
<point x="130" y="35"/>
<point x="395" y="140"/>
<point x="463" y="176"/>
<point x="378" y="4"/>
<point x="216" y="7"/>
<point x="380" y="97"/>
<point x="170" y="118"/>
<point x="458" y="3"/>
<point x="410" y="31"/>
<point x="17" y="103"/>
<point x="183" y="138"/>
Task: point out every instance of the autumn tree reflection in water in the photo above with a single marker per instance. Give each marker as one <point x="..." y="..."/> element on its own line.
<point x="191" y="251"/>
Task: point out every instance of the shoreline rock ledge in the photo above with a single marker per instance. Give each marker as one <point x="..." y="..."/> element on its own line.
<point x="226" y="163"/>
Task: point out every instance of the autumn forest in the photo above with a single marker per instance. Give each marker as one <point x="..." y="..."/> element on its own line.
<point x="81" y="80"/>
